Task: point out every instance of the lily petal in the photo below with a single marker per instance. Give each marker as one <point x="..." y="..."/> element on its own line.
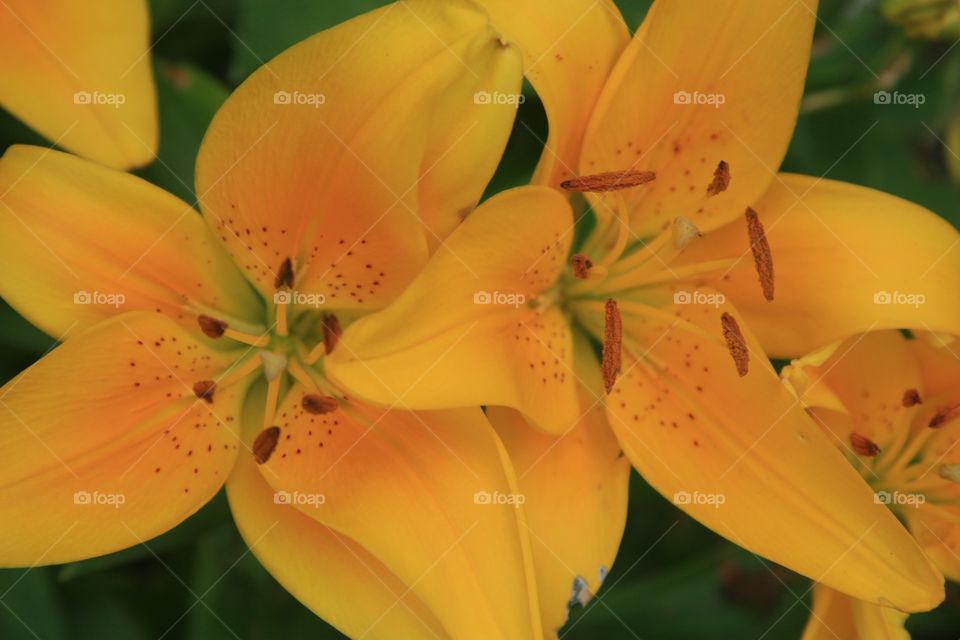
<point x="328" y="572"/>
<point x="422" y="493"/>
<point x="466" y="331"/>
<point x="303" y="162"/>
<point x="837" y="616"/>
<point x="105" y="445"/>
<point x="80" y="242"/>
<point x="569" y="48"/>
<point x="696" y="87"/>
<point x="705" y="419"/>
<point x="848" y="260"/>
<point x="80" y="74"/>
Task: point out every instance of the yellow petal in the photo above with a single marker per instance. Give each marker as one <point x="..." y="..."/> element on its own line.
<point x="431" y="495"/>
<point x="696" y="87"/>
<point x="304" y="161"/>
<point x="569" y="48"/>
<point x="836" y="616"/>
<point x="938" y="533"/>
<point x="80" y="74"/>
<point x="328" y="572"/>
<point x="847" y="260"/>
<point x="466" y="331"/>
<point x="105" y="444"/>
<point x="739" y="454"/>
<point x="80" y="242"/>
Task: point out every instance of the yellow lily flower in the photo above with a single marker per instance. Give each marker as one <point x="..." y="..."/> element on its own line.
<point x="684" y="139"/>
<point x="79" y="73"/>
<point x="890" y="405"/>
<point x="193" y="349"/>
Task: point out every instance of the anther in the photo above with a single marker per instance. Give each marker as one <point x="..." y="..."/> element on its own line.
<point x="610" y="360"/>
<point x="944" y="415"/>
<point x="864" y="446"/>
<point x="204" y="390"/>
<point x="581" y="265"/>
<point x="762" y="256"/>
<point x="211" y="327"/>
<point x="684" y="232"/>
<point x="736" y="344"/>
<point x="609" y="181"/>
<point x="331" y="332"/>
<point x="911" y="397"/>
<point x="316" y="404"/>
<point x="284" y="277"/>
<point x="265" y="443"/>
<point x="721" y="179"/>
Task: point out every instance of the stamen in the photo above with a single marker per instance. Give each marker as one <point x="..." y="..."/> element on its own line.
<point x="736" y="344"/>
<point x="944" y="415"/>
<point x="721" y="179"/>
<point x="284" y="277"/>
<point x="610" y="361"/>
<point x="762" y="256"/>
<point x="864" y="446"/>
<point x="911" y="397"/>
<point x="950" y="472"/>
<point x="318" y="405"/>
<point x="211" y="327"/>
<point x="609" y="181"/>
<point x="204" y="390"/>
<point x="265" y="443"/>
<point x="581" y="265"/>
<point x="684" y="231"/>
<point x="270" y="404"/>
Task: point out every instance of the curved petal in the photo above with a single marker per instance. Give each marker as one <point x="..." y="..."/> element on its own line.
<point x="80" y="74"/>
<point x="467" y="330"/>
<point x="848" y="260"/>
<point x="328" y="572"/>
<point x="696" y="87"/>
<point x="569" y="48"/>
<point x="304" y="162"/>
<point x="106" y="445"/>
<point x="704" y="418"/>
<point x="431" y="495"/>
<point x="938" y="534"/>
<point x="80" y="243"/>
<point x="836" y="616"/>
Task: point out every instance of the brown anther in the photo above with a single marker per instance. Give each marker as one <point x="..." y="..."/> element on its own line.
<point x="316" y="404"/>
<point x="581" y="265"/>
<point x="911" y="397"/>
<point x="721" y="179"/>
<point x="609" y="181"/>
<point x="944" y="415"/>
<point x="610" y="360"/>
<point x="331" y="332"/>
<point x="211" y="327"/>
<point x="204" y="390"/>
<point x="762" y="256"/>
<point x="284" y="277"/>
<point x="864" y="446"/>
<point x="736" y="344"/>
<point x="265" y="443"/>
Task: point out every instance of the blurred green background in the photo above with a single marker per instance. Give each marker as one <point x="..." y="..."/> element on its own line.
<point x="673" y="579"/>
